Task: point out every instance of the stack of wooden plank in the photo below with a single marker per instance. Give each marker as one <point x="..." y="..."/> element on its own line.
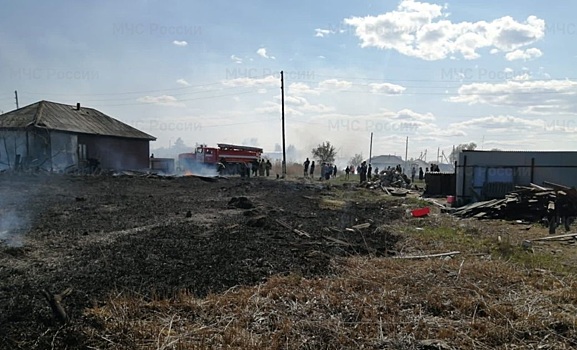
<point x="531" y="203"/>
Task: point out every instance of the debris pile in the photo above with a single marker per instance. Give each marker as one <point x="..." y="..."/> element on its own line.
<point x="390" y="182"/>
<point x="532" y="203"/>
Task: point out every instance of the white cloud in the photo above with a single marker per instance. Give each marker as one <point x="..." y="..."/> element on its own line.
<point x="183" y="82"/>
<point x="236" y="59"/>
<point x="422" y="30"/>
<point x="164" y="100"/>
<point x="252" y="82"/>
<point x="262" y="53"/>
<point x="301" y="89"/>
<point x="526" y="55"/>
<point x="335" y="84"/>
<point x="180" y="43"/>
<point x="502" y="123"/>
<point x="302" y="105"/>
<point x="321" y="33"/>
<point x="407" y="114"/>
<point x="450" y="132"/>
<point x="387" y="88"/>
<point x="524" y="76"/>
<point x="535" y="96"/>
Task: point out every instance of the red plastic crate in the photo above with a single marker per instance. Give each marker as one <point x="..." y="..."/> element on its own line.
<point x="420" y="212"/>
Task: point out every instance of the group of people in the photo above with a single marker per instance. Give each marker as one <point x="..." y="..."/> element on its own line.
<point x="257" y="167"/>
<point x="260" y="167"/>
<point x="327" y="170"/>
<point x="364" y="170"/>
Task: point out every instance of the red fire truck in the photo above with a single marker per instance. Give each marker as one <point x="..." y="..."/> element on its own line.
<point x="206" y="159"/>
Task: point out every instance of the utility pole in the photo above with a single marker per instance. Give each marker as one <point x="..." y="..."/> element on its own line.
<point x="371" y="150"/>
<point x="283" y="132"/>
<point x="406" y="153"/>
<point x="16" y="96"/>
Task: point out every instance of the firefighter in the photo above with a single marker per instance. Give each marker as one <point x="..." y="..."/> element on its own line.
<point x="221" y="166"/>
<point x="268" y="167"/>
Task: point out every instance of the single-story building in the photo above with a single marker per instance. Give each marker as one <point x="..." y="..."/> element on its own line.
<point x="384" y="161"/>
<point x="483" y="175"/>
<point x="57" y="137"/>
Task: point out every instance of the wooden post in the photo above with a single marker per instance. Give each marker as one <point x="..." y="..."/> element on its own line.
<point x="55" y="302"/>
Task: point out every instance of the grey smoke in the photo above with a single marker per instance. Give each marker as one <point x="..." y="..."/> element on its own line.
<point x="12" y="227"/>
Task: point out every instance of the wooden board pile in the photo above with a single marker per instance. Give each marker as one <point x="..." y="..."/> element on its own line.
<point x="532" y="203"/>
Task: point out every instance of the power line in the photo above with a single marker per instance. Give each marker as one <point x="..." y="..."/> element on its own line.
<point x="177" y="101"/>
<point x="456" y="81"/>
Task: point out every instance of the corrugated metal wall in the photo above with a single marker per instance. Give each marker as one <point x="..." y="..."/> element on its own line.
<point x="479" y="172"/>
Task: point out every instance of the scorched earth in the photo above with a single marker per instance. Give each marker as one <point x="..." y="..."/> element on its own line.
<point x="92" y="237"/>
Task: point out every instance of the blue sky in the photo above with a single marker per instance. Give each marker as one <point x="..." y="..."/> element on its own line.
<point x="500" y="74"/>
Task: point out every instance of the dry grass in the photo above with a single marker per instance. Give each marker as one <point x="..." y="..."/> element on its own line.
<point x="468" y="303"/>
<point x="494" y="295"/>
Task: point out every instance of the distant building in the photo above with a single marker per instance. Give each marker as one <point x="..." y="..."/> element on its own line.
<point x="57" y="137"/>
<point x="384" y="161"/>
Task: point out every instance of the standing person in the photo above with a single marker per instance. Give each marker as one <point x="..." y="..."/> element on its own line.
<point x="363" y="172"/>
<point x="267" y="167"/>
<point x="255" y="164"/>
<point x="421" y="175"/>
<point x="261" y="167"/>
<point x="312" y="172"/>
<point x="347" y="171"/>
<point x="306" y="165"/>
<point x="328" y="171"/>
<point x="335" y="171"/>
<point x="370" y="172"/>
<point x="413" y="173"/>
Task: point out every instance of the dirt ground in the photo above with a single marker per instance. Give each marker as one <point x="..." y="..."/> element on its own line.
<point x="157" y="236"/>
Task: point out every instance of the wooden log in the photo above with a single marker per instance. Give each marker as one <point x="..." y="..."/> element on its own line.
<point x="335" y="240"/>
<point x="427" y="256"/>
<point x="385" y="190"/>
<point x="362" y="226"/>
<point x="540" y="188"/>
<point x="556" y="186"/>
<point x="55" y="302"/>
<point x="301" y="233"/>
<point x="552" y="238"/>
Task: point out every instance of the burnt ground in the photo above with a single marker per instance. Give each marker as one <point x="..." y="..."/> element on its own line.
<point x="153" y="237"/>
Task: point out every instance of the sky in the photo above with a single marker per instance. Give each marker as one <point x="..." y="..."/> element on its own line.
<point x="500" y="74"/>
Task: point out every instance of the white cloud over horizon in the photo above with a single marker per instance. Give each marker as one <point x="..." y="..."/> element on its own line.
<point x="424" y="30"/>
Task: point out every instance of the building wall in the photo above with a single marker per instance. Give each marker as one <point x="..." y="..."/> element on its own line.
<point x="12" y="142"/>
<point x="116" y="152"/>
<point x="64" y="150"/>
<point x="476" y="169"/>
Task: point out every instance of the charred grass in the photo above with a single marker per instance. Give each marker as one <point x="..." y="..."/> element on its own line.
<point x="222" y="284"/>
<point x="494" y="295"/>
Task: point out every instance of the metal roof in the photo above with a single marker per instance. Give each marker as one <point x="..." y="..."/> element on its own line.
<point x="61" y="117"/>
